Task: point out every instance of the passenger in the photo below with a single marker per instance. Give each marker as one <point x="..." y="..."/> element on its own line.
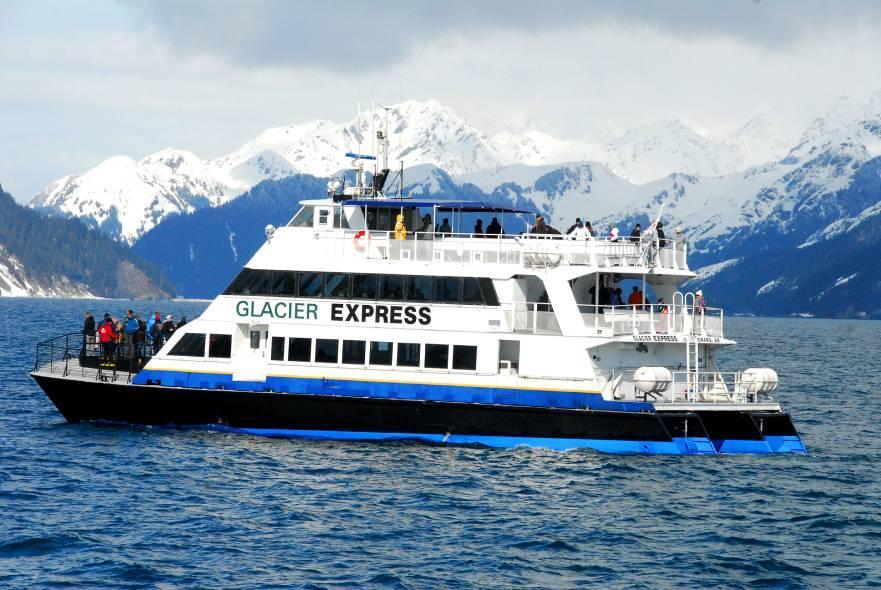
<point x="579" y="232"/>
<point x="182" y="322"/>
<point x="141" y="337"/>
<point x="700" y="302"/>
<point x="659" y="230"/>
<point x="590" y="229"/>
<point x="154" y="332"/>
<point x="427" y="228"/>
<point x="635" y="298"/>
<point x="106" y="337"/>
<point x="494" y="228"/>
<point x="400" y="228"/>
<point x="130" y="328"/>
<point x="478" y="229"/>
<point x="618" y="298"/>
<point x="662" y="307"/>
<point x="539" y="228"/>
<point x="613" y="233"/>
<point x="88" y="335"/>
<point x="445" y="227"/>
<point x="637" y="231"/>
<point x="168" y="328"/>
<point x="573" y="226"/>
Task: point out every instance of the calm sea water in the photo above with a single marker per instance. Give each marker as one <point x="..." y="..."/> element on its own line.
<point x="87" y="506"/>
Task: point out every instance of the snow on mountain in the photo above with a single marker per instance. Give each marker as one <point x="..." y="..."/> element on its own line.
<point x="16" y="281"/>
<point x="536" y="148"/>
<point x="125" y="198"/>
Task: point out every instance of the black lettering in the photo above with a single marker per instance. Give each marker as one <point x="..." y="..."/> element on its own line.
<point x="336" y="312"/>
<point x="381" y="314"/>
<point x="366" y="312"/>
<point x="396" y="314"/>
<point x="353" y="312"/>
<point x="409" y="315"/>
<point x="424" y="315"/>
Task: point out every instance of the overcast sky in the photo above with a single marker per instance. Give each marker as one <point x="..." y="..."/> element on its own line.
<point x="84" y="80"/>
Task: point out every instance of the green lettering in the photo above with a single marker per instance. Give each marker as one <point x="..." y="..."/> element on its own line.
<point x="242" y="308"/>
<point x="267" y="310"/>
<point x="280" y="314"/>
<point x="311" y="311"/>
<point x="298" y="311"/>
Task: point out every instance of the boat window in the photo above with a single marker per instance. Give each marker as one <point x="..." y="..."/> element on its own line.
<point x="310" y="284"/>
<point x="391" y="287"/>
<point x="365" y="286"/>
<point x="419" y="288"/>
<point x="277" y="349"/>
<point x="327" y="351"/>
<point x="255" y="339"/>
<point x="284" y="283"/>
<point x="300" y="350"/>
<point x="471" y="294"/>
<point x="189" y="345"/>
<point x="381" y="353"/>
<point x="250" y="281"/>
<point x="437" y="356"/>
<point x="220" y="346"/>
<point x="465" y="358"/>
<point x="324" y="216"/>
<point x="354" y="352"/>
<point x="336" y="285"/>
<point x="446" y="289"/>
<point x="408" y="354"/>
<point x="488" y="292"/>
<point x="305" y="217"/>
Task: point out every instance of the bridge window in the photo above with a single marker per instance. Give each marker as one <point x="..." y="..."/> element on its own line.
<point x="365" y="286"/>
<point x="327" y="351"/>
<point x="311" y="284"/>
<point x="250" y="281"/>
<point x="381" y="353"/>
<point x="277" y="349"/>
<point x="391" y="288"/>
<point x="419" y="288"/>
<point x="437" y="356"/>
<point x="284" y="283"/>
<point x="408" y="354"/>
<point x="189" y="345"/>
<point x="300" y="350"/>
<point x="354" y="352"/>
<point x="464" y="358"/>
<point x="220" y="346"/>
<point x="305" y="217"/>
<point x="471" y="293"/>
<point x="336" y="285"/>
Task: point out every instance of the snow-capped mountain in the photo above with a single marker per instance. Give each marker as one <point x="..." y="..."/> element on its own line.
<point x="126" y="198"/>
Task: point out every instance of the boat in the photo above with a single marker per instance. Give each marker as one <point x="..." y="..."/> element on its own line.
<point x="341" y="327"/>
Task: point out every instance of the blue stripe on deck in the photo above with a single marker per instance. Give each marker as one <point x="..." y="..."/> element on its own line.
<point x="392" y="390"/>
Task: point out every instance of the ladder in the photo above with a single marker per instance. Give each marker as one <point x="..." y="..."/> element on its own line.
<point x="682" y="302"/>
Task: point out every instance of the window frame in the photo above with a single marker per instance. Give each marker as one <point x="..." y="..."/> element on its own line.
<point x="418" y="362"/>
<point x="184" y="338"/>
<point x="291" y="344"/>
<point x="456" y="349"/>
<point x="317" y="345"/>
<point x="212" y="342"/>
<point x="428" y="347"/>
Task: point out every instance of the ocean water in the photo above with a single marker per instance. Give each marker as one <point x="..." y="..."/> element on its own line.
<point x="101" y="506"/>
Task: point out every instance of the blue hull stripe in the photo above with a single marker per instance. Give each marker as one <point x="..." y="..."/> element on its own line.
<point x="786" y="444"/>
<point x="393" y="390"/>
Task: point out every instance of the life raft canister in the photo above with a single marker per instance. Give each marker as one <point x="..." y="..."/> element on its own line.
<point x="362" y="239"/>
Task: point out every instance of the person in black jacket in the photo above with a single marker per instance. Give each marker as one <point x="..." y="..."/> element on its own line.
<point x="494" y="228"/>
<point x="88" y="334"/>
<point x="660" y="231"/>
<point x="634" y="235"/>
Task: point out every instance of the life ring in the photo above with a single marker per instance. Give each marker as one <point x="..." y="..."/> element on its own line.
<point x="360" y="242"/>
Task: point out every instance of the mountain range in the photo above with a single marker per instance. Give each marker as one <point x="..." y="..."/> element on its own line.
<point x="749" y="202"/>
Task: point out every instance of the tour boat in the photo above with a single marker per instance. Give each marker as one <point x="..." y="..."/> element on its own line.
<point x="341" y="327"/>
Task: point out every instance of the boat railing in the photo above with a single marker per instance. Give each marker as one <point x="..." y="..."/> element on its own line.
<point x="524" y="249"/>
<point x="701" y="387"/>
<point x="533" y="318"/>
<point x="654" y="319"/>
<point x="74" y="355"/>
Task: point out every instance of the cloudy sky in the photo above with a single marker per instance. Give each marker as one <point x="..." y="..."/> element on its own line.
<point x="84" y="80"/>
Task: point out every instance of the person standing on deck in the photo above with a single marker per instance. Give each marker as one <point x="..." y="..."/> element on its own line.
<point x="88" y="334"/>
<point x="494" y="228"/>
<point x="400" y="228"/>
<point x="637" y="231"/>
<point x="105" y="337"/>
<point x="168" y="328"/>
<point x="478" y="229"/>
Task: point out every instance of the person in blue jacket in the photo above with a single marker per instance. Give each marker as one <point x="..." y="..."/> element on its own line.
<point x="131" y="327"/>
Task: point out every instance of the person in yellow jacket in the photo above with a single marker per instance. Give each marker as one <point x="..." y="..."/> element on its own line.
<point x="400" y="228"/>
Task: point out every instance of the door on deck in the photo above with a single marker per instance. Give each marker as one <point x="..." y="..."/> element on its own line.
<point x="250" y="356"/>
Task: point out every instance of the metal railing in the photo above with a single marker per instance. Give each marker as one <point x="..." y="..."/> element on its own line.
<point x="524" y="249"/>
<point x="701" y="387"/>
<point x="533" y="318"/>
<point x="72" y="354"/>
<point x="654" y="319"/>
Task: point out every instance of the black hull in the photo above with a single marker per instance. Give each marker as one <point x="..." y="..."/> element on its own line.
<point x="358" y="417"/>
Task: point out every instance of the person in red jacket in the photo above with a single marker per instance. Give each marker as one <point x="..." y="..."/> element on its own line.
<point x="106" y="335"/>
<point x="635" y="298"/>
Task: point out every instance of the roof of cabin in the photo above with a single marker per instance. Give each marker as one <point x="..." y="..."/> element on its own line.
<point x="440" y="204"/>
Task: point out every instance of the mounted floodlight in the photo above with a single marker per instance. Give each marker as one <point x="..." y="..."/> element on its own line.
<point x="360" y="156"/>
<point x="270" y="231"/>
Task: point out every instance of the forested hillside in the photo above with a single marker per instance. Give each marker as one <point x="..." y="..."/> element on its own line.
<point x="55" y="255"/>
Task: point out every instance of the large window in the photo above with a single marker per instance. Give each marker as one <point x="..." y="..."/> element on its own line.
<point x="354" y="352"/>
<point x="277" y="349"/>
<point x="365" y="286"/>
<point x="471" y="294"/>
<point x="408" y="354"/>
<point x="189" y="345"/>
<point x="336" y="285"/>
<point x="219" y="346"/>
<point x="311" y="284"/>
<point x="381" y="353"/>
<point x="391" y="287"/>
<point x="327" y="351"/>
<point x="300" y="350"/>
<point x="304" y="217"/>
<point x="446" y="289"/>
<point x="437" y="356"/>
<point x="419" y="288"/>
<point x="250" y="281"/>
<point x="464" y="358"/>
<point x="284" y="283"/>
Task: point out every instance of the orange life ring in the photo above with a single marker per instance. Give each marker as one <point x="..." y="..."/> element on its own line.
<point x="359" y="243"/>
